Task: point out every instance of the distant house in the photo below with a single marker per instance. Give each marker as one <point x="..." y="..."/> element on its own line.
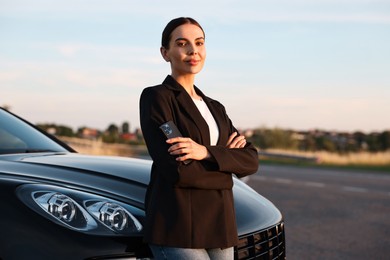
<point x="248" y="133"/>
<point x="89" y="133"/>
<point x="51" y="130"/>
<point x="128" y="137"/>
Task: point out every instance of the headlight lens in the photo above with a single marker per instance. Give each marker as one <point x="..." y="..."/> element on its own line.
<point x="113" y="216"/>
<point x="81" y="211"/>
<point x="64" y="209"/>
<point x="61" y="207"/>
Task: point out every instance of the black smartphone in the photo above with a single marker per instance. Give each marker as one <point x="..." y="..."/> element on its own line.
<point x="170" y="130"/>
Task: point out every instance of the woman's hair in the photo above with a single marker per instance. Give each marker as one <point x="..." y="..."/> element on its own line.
<point x="172" y="25"/>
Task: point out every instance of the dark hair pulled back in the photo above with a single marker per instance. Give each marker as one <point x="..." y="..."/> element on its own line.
<point x="172" y="25"/>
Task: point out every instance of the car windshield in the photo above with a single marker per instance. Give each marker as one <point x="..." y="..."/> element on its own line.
<point x="17" y="136"/>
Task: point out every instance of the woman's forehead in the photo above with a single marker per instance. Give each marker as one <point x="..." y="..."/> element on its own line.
<point x="187" y="31"/>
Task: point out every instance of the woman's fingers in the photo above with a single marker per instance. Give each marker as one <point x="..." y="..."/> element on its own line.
<point x="178" y="140"/>
<point x="186" y="148"/>
<point x="231" y="138"/>
<point x="236" y="141"/>
<point x="242" y="143"/>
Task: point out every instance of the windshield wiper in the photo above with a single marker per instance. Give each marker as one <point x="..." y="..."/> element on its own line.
<point x="38" y="151"/>
<point x="15" y="151"/>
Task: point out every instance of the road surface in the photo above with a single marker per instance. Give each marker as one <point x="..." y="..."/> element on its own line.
<point x="329" y="214"/>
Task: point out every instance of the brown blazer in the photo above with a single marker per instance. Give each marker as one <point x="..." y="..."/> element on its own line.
<point x="190" y="206"/>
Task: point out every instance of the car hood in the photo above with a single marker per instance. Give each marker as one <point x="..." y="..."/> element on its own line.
<point x="108" y="165"/>
<point x="112" y="175"/>
<point x="121" y="178"/>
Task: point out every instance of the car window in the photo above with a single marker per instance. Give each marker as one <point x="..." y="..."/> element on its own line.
<point x="8" y="141"/>
<point x="17" y="136"/>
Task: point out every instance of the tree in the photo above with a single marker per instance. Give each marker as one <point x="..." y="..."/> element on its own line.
<point x="125" y="128"/>
<point x="7" y="107"/>
<point x="384" y="140"/>
<point x="59" y="130"/>
<point x="111" y="135"/>
<point x="373" y="142"/>
<point x="308" y="143"/>
<point x="360" y="140"/>
<point x="273" y="138"/>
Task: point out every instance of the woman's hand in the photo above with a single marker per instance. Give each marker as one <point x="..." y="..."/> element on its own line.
<point x="185" y="148"/>
<point x="236" y="141"/>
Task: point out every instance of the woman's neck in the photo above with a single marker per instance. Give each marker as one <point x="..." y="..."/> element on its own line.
<point x="187" y="81"/>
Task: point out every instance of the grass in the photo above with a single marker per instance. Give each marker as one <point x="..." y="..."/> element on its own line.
<point x="364" y="161"/>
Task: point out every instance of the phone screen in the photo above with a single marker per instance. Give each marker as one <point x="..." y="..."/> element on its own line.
<point x="170" y="130"/>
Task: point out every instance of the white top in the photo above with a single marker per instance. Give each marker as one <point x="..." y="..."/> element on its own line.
<point x="213" y="127"/>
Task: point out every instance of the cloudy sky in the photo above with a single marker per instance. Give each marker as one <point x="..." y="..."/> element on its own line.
<point x="297" y="64"/>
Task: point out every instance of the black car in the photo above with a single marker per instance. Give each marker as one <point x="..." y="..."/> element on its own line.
<point x="58" y="204"/>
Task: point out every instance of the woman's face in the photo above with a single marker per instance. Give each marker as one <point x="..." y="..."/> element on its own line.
<point x="187" y="51"/>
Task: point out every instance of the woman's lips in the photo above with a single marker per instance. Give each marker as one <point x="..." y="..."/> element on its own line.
<point x="193" y="62"/>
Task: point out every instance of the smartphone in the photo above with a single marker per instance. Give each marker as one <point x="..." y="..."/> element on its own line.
<point x="170" y="130"/>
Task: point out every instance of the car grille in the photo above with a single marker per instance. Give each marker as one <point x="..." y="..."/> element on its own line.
<point x="264" y="244"/>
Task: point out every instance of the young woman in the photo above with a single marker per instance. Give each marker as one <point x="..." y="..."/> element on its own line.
<point x="189" y="202"/>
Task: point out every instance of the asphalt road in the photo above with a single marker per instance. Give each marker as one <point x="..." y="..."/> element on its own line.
<point x="329" y="214"/>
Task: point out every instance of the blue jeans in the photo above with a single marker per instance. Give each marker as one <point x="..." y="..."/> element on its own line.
<point x="173" y="253"/>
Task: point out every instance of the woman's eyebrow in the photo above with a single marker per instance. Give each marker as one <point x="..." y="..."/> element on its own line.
<point x="181" y="39"/>
<point x="185" y="39"/>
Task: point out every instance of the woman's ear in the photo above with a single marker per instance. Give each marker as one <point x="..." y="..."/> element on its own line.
<point x="164" y="54"/>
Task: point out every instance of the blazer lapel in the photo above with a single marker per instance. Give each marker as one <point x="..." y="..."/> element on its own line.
<point x="188" y="106"/>
<point x="218" y="117"/>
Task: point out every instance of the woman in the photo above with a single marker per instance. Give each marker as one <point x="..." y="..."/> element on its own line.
<point x="189" y="206"/>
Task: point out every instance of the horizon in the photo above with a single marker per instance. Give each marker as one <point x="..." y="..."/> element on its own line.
<point x="288" y="64"/>
<point x="134" y="129"/>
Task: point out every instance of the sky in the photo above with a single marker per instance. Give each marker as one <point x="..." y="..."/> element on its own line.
<point x="292" y="64"/>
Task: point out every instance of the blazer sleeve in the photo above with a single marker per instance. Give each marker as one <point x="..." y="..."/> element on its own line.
<point x="240" y="161"/>
<point x="154" y="111"/>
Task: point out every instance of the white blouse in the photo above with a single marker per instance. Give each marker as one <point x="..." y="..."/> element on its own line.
<point x="205" y="112"/>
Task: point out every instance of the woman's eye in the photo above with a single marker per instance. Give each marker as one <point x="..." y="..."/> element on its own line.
<point x="200" y="43"/>
<point x="181" y="44"/>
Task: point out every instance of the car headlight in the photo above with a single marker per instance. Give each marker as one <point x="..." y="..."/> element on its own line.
<point x="81" y="211"/>
<point x="61" y="206"/>
<point x="113" y="216"/>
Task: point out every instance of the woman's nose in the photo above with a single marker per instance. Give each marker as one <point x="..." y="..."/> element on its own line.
<point x="192" y="50"/>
